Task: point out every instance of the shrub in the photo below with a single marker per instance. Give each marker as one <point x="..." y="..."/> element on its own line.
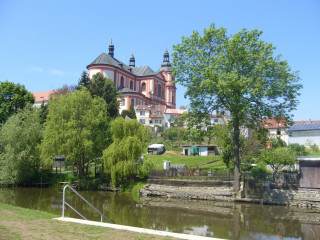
<point x="314" y="148"/>
<point x="298" y="149"/>
<point x="259" y="173"/>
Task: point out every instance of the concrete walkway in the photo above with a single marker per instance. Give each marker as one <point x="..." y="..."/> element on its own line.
<point x="135" y="229"/>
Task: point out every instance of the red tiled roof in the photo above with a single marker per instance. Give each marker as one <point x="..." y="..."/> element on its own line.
<point x="274" y="123"/>
<point x="42" y="96"/>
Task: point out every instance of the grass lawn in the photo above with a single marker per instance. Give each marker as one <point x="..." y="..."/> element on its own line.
<point x="313" y="153"/>
<point x="21" y="223"/>
<point x="190" y="161"/>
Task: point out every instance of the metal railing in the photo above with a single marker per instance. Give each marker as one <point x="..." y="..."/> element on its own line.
<point x="65" y="203"/>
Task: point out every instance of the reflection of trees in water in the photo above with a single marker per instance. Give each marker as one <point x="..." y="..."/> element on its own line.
<point x="216" y="219"/>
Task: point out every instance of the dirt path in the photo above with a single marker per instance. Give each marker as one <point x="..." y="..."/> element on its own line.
<point x="19" y="223"/>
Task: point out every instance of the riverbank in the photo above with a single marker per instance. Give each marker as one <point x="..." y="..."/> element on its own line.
<point x="21" y="223"/>
<point x="251" y="192"/>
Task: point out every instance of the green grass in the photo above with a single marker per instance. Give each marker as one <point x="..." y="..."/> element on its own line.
<point x="313" y="153"/>
<point x="190" y="161"/>
<point x="21" y="223"/>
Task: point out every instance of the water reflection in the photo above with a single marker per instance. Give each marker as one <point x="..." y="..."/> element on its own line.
<point x="203" y="218"/>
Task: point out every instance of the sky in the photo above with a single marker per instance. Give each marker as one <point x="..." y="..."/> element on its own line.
<point x="46" y="44"/>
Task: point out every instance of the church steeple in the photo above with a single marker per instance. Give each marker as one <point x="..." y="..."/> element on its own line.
<point x="132" y="61"/>
<point x="111" y="49"/>
<point x="166" y="61"/>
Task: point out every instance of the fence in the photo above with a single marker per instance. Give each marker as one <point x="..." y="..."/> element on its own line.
<point x="199" y="174"/>
<point x="204" y="174"/>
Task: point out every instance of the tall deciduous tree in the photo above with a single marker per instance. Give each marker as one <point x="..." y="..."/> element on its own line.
<point x="77" y="126"/>
<point x="13" y="97"/>
<point x="237" y="73"/>
<point x="19" y="151"/>
<point x="122" y="156"/>
<point x="105" y="88"/>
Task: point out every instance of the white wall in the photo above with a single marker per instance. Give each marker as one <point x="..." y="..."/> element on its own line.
<point x="305" y="137"/>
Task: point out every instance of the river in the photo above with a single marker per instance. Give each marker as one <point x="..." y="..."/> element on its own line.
<point x="204" y="218"/>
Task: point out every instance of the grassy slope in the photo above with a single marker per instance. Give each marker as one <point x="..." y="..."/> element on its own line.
<point x="190" y="161"/>
<point x="21" y="223"/>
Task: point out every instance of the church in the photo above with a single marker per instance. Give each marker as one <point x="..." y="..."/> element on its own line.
<point x="137" y="85"/>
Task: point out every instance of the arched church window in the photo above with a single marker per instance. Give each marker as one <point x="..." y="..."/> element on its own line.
<point x="143" y="87"/>
<point x="122" y="82"/>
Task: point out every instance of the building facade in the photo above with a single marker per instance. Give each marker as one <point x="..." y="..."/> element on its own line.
<point x="137" y="85"/>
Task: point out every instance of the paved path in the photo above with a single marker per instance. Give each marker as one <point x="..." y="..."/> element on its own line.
<point x="135" y="229"/>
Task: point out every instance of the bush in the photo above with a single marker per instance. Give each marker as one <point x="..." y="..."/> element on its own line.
<point x="259" y="173"/>
<point x="314" y="148"/>
<point x="298" y="149"/>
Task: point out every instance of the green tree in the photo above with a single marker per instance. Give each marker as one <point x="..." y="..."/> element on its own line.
<point x="105" y="88"/>
<point x="77" y="126"/>
<point x="132" y="112"/>
<point x="237" y="73"/>
<point x="20" y="137"/>
<point x="13" y="97"/>
<point x="83" y="81"/>
<point x="122" y="157"/>
<point x="277" y="157"/>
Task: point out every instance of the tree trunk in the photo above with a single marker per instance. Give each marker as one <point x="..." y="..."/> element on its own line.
<point x="236" y="147"/>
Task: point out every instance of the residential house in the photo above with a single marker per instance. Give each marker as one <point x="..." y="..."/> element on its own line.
<point x="151" y="115"/>
<point x="277" y="128"/>
<point x="171" y="114"/>
<point x="42" y="97"/>
<point x="305" y="134"/>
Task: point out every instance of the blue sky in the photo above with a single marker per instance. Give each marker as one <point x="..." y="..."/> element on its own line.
<point x="46" y="44"/>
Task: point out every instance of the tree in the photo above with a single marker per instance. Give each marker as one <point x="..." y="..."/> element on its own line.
<point x="132" y="112"/>
<point x="237" y="73"/>
<point x="77" y="126"/>
<point x="105" y="88"/>
<point x="121" y="158"/>
<point x="83" y="81"/>
<point x="19" y="152"/>
<point x="13" y="97"/>
<point x="277" y="157"/>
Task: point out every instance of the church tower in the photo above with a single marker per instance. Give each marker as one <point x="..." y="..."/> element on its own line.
<point x="166" y="71"/>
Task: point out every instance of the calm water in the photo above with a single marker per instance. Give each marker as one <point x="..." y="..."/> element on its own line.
<point x="205" y="218"/>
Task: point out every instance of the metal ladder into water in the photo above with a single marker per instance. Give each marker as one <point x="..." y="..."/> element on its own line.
<point x="65" y="203"/>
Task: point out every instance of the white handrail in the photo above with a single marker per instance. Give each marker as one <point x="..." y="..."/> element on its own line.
<point x="65" y="203"/>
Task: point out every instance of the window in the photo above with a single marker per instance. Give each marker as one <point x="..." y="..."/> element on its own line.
<point x="143" y="87"/>
<point x="139" y="102"/>
<point x="123" y="102"/>
<point x="156" y="121"/>
<point x="150" y="121"/>
<point x="122" y="82"/>
<point x="133" y="101"/>
<point x="159" y="90"/>
<point x="278" y="132"/>
<point x="160" y="121"/>
<point x="131" y="85"/>
<point x="143" y="121"/>
<point x="158" y="113"/>
<point x="142" y="113"/>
